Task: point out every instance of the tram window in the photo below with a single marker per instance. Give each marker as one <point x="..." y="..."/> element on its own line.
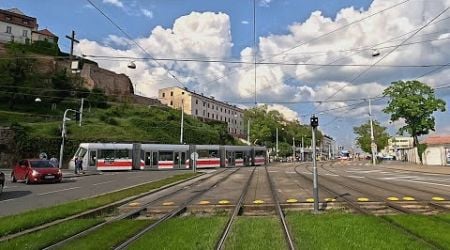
<point x="260" y="153"/>
<point x="203" y="153"/>
<point x="81" y="152"/>
<point x="166" y="156"/>
<point x="123" y="154"/>
<point x="106" y="154"/>
<point x="239" y="155"/>
<point x="213" y="153"/>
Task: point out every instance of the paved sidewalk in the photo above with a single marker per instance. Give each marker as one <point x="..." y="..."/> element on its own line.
<point x="416" y="167"/>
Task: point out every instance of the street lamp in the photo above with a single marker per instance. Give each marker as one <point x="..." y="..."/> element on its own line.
<point x="131" y="65"/>
<point x="373" y="145"/>
<point x="37" y="99"/>
<point x="63" y="134"/>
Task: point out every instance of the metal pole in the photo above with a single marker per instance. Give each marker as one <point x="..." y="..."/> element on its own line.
<point x="248" y="131"/>
<point x="63" y="134"/>
<point x="182" y="121"/>
<point x="293" y="149"/>
<point x="315" y="180"/>
<point x="81" y="111"/>
<point x="276" y="143"/>
<point x="303" y="151"/>
<point x="372" y="138"/>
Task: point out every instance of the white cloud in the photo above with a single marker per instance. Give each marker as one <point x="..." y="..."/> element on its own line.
<point x="244" y="22"/>
<point x="264" y="3"/>
<point x="147" y="13"/>
<point x="287" y="113"/>
<point x="116" y="3"/>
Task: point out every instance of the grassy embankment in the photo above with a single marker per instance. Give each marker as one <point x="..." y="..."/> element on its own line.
<point x="16" y="223"/>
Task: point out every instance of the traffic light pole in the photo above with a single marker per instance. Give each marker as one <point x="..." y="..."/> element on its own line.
<point x="314" y="125"/>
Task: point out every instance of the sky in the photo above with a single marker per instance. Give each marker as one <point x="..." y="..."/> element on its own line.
<point x="309" y="52"/>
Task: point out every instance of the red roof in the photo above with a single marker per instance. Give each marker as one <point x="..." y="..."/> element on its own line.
<point x="437" y="139"/>
<point x="45" y="32"/>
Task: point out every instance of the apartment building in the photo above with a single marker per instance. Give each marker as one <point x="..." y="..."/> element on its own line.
<point x="204" y="108"/>
<point x="17" y="27"/>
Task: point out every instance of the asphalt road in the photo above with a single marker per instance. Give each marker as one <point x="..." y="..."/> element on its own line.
<point x="19" y="197"/>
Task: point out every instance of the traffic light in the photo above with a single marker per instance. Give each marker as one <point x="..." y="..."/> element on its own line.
<point x="314" y="121"/>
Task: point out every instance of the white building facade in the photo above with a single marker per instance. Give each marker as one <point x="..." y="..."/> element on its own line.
<point x="16" y="26"/>
<point x="204" y="108"/>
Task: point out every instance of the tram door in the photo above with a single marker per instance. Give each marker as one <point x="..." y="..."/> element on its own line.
<point x="147" y="159"/>
<point x="154" y="160"/>
<point x="92" y="165"/>
<point x="179" y="159"/>
<point x="231" y="159"/>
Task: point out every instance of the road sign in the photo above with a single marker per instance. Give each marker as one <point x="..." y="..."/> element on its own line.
<point x="194" y="156"/>
<point x="373" y="145"/>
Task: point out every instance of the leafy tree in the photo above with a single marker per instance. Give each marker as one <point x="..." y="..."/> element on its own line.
<point x="415" y="102"/>
<point x="363" y="136"/>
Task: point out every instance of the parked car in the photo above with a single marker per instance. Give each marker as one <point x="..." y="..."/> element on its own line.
<point x="2" y="182"/>
<point x="35" y="171"/>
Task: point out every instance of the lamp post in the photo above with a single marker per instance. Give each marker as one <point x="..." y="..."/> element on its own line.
<point x="182" y="121"/>
<point x="373" y="145"/>
<point x="314" y="125"/>
<point x="63" y="135"/>
<point x="276" y="142"/>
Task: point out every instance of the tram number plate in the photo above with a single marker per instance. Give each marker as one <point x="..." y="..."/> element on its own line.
<point x="49" y="177"/>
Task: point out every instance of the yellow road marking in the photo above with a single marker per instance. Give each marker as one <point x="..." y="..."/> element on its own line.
<point x="258" y="202"/>
<point x="134" y="204"/>
<point x="436" y="198"/>
<point x="363" y="199"/>
<point x="169" y="203"/>
<point x="291" y="200"/>
<point x="224" y="202"/>
<point x="408" y="198"/>
<point x="204" y="202"/>
<point x="330" y="199"/>
<point x="310" y="200"/>
<point x="393" y="198"/>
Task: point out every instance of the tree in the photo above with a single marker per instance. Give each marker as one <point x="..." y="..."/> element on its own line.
<point x="363" y="136"/>
<point x="415" y="102"/>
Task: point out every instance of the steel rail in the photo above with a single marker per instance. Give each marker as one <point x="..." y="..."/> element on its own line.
<point x="131" y="213"/>
<point x="287" y="233"/>
<point x="382" y="218"/>
<point x="171" y="214"/>
<point x="235" y="213"/>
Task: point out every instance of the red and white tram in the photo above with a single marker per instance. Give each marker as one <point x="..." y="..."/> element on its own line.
<point x="128" y="156"/>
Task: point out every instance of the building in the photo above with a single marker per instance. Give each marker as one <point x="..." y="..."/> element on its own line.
<point x="437" y="151"/>
<point x="204" y="108"/>
<point x="17" y="27"/>
<point x="44" y="35"/>
<point x="398" y="146"/>
<point x="327" y="147"/>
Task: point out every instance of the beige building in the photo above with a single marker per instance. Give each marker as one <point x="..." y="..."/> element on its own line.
<point x="437" y="151"/>
<point x="397" y="146"/>
<point x="204" y="108"/>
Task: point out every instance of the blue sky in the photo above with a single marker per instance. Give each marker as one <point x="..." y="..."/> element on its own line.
<point x="223" y="30"/>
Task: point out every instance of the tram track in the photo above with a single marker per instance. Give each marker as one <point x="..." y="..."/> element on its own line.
<point x="357" y="207"/>
<point x="383" y="187"/>
<point x="134" y="212"/>
<point x="95" y="211"/>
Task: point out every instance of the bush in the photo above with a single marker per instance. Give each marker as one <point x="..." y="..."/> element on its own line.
<point x="108" y="119"/>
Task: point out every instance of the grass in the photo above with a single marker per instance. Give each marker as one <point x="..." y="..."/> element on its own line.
<point x="347" y="231"/>
<point x="48" y="236"/>
<point x="183" y="233"/>
<point x="109" y="236"/>
<point x="427" y="227"/>
<point x="16" y="223"/>
<point x="256" y="233"/>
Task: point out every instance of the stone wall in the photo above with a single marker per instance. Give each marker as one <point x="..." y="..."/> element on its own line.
<point x="7" y="147"/>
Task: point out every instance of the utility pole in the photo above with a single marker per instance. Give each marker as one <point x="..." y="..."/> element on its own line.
<point x="63" y="135"/>
<point x="276" y="143"/>
<point x="373" y="145"/>
<point x="314" y="125"/>
<point x="182" y="121"/>
<point x="81" y="111"/>
<point x="248" y="131"/>
<point x="293" y="149"/>
<point x="72" y="41"/>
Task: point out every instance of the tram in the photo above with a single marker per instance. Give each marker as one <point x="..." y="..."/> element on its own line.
<point x="137" y="156"/>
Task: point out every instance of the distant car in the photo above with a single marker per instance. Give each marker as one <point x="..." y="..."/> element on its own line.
<point x="2" y="182"/>
<point x="36" y="171"/>
<point x="388" y="157"/>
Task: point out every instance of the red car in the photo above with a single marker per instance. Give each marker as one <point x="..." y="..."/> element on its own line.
<point x="36" y="170"/>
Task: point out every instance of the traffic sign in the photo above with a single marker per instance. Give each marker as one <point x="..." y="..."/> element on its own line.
<point x="194" y="156"/>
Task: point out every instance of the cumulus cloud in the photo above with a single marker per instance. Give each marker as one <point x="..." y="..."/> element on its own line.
<point x="116" y="3"/>
<point x="287" y="113"/>
<point x="208" y="35"/>
<point x="147" y="13"/>
<point x="244" y="22"/>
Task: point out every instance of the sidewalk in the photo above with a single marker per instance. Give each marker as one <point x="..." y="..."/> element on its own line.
<point x="415" y="167"/>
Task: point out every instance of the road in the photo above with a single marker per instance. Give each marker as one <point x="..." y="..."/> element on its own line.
<point x="18" y="197"/>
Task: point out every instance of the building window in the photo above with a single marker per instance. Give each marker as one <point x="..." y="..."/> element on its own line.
<point x="204" y="113"/>
<point x="196" y="101"/>
<point x="8" y="18"/>
<point x="8" y="29"/>
<point x="228" y="111"/>
<point x="208" y="114"/>
<point x="25" y="33"/>
<point x="217" y="108"/>
<point x="171" y="93"/>
<point x="204" y="104"/>
<point x="213" y="116"/>
<point x="171" y="103"/>
<point x="196" y="112"/>
<point x="208" y="105"/>
<point x="220" y="109"/>
<point x="163" y="95"/>
<point x="182" y="92"/>
<point x="25" y="22"/>
<point x="212" y="106"/>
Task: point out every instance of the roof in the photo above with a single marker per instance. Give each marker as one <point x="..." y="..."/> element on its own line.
<point x="437" y="139"/>
<point x="13" y="16"/>
<point x="45" y="32"/>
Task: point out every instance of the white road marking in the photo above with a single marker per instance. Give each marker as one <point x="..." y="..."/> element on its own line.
<point x="57" y="191"/>
<point x="431" y="183"/>
<point x="273" y="171"/>
<point x="109" y="174"/>
<point x="354" y="176"/>
<point x="332" y="174"/>
<point x="100" y="183"/>
<point x="10" y="187"/>
<point x="290" y="172"/>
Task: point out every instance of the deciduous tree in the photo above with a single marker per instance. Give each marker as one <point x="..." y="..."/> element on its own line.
<point x="363" y="136"/>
